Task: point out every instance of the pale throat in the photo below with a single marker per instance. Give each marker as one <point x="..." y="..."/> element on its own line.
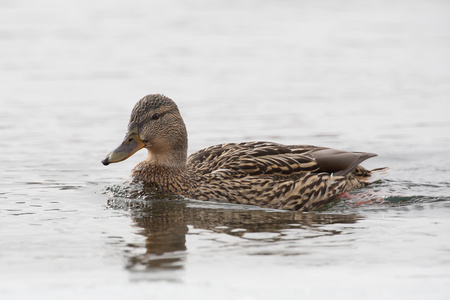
<point x="160" y="153"/>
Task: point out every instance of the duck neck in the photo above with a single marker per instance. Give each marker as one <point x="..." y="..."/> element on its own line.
<point x="169" y="149"/>
<point x="169" y="178"/>
<point x="167" y="158"/>
<point x="166" y="162"/>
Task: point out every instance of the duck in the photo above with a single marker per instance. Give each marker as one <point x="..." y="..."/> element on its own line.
<point x="261" y="173"/>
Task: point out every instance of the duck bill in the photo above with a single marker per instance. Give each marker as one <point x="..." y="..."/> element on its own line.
<point x="130" y="145"/>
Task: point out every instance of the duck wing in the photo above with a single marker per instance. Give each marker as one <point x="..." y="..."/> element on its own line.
<point x="338" y="162"/>
<point x="266" y="158"/>
<point x="252" y="158"/>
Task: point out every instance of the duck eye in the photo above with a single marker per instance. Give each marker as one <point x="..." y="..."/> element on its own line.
<point x="156" y="116"/>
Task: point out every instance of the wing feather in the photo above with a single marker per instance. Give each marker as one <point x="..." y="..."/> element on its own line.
<point x="254" y="158"/>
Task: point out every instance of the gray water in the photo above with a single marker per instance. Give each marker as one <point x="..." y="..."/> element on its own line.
<point x="354" y="75"/>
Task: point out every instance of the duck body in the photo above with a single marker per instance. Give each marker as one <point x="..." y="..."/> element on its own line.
<point x="265" y="174"/>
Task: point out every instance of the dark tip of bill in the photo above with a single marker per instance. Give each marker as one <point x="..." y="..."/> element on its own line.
<point x="105" y="161"/>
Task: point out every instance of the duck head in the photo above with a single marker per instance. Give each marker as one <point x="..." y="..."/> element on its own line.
<point x="155" y="124"/>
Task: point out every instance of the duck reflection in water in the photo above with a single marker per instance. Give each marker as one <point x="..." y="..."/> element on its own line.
<point x="165" y="224"/>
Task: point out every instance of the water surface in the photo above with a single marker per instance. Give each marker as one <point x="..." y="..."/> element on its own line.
<point x="354" y="75"/>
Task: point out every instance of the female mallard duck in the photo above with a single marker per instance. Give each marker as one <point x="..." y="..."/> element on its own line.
<point x="257" y="173"/>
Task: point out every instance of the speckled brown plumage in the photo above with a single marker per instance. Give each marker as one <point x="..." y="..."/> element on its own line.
<point x="256" y="173"/>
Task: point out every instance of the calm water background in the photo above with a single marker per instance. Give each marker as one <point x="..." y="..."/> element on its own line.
<point x="355" y="75"/>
